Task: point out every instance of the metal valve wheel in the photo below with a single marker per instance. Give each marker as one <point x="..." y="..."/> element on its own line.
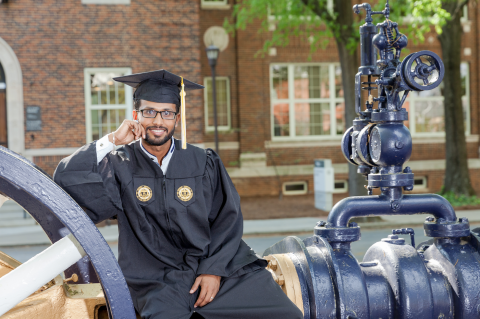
<point x="422" y="71"/>
<point x="68" y="227"/>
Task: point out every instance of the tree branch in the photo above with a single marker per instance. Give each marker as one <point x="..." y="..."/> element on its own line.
<point x="319" y="7"/>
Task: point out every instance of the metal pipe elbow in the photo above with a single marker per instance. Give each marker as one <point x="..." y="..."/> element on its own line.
<point x="363" y="206"/>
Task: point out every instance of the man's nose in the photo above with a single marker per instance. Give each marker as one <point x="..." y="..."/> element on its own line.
<point x="158" y="119"/>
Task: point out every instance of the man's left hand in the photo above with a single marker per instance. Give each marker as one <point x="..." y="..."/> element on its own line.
<point x="210" y="284"/>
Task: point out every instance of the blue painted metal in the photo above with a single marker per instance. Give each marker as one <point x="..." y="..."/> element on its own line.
<point x="404" y="231"/>
<point x="438" y="279"/>
<point x="59" y="215"/>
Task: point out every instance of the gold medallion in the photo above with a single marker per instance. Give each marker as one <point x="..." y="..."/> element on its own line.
<point x="185" y="193"/>
<point x="144" y="193"/>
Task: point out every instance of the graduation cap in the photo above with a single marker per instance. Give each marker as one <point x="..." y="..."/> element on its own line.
<point x="161" y="86"/>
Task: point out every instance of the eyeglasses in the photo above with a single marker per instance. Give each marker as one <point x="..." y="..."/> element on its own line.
<point x="151" y="114"/>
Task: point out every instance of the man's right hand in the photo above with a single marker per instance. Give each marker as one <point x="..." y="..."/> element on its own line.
<point x="128" y="132"/>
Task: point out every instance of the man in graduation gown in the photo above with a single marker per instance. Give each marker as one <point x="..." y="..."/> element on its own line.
<point x="179" y="218"/>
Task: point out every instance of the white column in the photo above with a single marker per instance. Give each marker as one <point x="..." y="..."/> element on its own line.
<point x="30" y="276"/>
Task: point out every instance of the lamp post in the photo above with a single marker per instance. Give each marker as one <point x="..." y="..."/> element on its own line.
<point x="212" y="54"/>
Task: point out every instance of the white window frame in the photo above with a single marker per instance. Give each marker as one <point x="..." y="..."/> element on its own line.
<point x="88" y="97"/>
<point x="288" y="193"/>
<point x="344" y="189"/>
<point x="105" y="1"/>
<point x="424" y="184"/>
<point x="464" y="17"/>
<point x="229" y="109"/>
<point x="292" y="100"/>
<point x="204" y="4"/>
<point x="411" y="112"/>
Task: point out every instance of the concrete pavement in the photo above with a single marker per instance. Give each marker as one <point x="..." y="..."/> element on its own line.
<point x="34" y="235"/>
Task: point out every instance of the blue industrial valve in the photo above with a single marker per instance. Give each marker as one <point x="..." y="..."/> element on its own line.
<point x="439" y="278"/>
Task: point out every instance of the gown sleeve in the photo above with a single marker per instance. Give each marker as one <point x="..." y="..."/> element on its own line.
<point x="227" y="251"/>
<point x="93" y="186"/>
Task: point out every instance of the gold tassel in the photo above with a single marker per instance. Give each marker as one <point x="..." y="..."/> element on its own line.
<point x="184" y="123"/>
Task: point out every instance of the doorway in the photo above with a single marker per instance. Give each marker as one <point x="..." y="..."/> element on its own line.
<point x="3" y="108"/>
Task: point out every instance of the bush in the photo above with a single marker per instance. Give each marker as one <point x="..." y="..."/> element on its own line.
<point x="461" y="200"/>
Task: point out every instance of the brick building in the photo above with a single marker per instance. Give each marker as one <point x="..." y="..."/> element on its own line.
<point x="276" y="113"/>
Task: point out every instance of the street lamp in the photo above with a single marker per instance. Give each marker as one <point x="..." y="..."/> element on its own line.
<point x="212" y="54"/>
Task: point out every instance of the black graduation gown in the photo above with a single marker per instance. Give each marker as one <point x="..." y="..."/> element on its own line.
<point x="166" y="242"/>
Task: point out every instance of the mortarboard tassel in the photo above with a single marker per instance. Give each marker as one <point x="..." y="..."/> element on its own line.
<point x="182" y="110"/>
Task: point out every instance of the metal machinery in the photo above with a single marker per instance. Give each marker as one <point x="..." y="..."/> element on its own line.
<point x="78" y="248"/>
<point x="436" y="279"/>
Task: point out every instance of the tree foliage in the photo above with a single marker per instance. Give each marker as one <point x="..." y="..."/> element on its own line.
<point x="318" y="21"/>
<point x="313" y="21"/>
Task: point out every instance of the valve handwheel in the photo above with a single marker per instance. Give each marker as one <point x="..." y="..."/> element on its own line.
<point x="59" y="215"/>
<point x="427" y="72"/>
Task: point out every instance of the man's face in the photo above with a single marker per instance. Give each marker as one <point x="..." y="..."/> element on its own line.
<point x="158" y="131"/>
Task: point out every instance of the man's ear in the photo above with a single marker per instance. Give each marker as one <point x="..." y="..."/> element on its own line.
<point x="135" y="115"/>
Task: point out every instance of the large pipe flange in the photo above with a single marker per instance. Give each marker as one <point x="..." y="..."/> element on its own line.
<point x="285" y="275"/>
<point x="442" y="228"/>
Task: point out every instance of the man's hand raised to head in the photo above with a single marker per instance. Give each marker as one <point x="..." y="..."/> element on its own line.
<point x="128" y="131"/>
<point x="210" y="284"/>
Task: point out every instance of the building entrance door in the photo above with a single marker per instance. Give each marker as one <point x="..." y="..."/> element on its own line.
<point x="3" y="108"/>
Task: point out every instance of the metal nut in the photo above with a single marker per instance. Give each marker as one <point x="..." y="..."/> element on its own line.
<point x="272" y="264"/>
<point x="395" y="205"/>
<point x="407" y="170"/>
<point x="280" y="280"/>
<point x="321" y="223"/>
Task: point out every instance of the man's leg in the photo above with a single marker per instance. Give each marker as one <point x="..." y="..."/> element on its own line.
<point x="254" y="295"/>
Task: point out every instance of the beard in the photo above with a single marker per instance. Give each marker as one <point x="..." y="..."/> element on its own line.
<point x="158" y="141"/>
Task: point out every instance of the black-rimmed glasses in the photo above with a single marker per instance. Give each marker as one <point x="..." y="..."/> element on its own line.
<point x="151" y="114"/>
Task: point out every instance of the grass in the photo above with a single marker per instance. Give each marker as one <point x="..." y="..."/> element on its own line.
<point x="461" y="200"/>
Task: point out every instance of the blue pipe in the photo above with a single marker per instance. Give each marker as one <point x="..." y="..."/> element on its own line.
<point x="362" y="206"/>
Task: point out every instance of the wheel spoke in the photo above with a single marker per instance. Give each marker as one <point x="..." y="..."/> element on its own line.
<point x="30" y="276"/>
<point x="425" y="81"/>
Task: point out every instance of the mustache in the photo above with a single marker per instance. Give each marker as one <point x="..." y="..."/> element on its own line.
<point x="156" y="128"/>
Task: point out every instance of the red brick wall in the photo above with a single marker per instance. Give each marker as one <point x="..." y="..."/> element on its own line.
<point x="55" y="40"/>
<point x="48" y="163"/>
<point x="272" y="185"/>
<point x="253" y="99"/>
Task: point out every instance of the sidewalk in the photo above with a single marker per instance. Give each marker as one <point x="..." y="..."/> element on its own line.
<point x="34" y="235"/>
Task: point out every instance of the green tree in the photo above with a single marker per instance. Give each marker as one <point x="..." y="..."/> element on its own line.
<point x="445" y="17"/>
<point x="315" y="21"/>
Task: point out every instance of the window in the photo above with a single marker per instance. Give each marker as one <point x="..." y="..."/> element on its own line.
<point x="420" y="182"/>
<point x="306" y="101"/>
<point x="426" y="111"/>
<point x="222" y="88"/>
<point x="340" y="186"/>
<point x="107" y="102"/>
<point x="295" y="188"/>
<point x="105" y="1"/>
